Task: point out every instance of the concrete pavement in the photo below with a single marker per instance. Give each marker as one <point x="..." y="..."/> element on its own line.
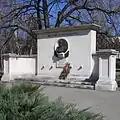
<point x="106" y="103"/>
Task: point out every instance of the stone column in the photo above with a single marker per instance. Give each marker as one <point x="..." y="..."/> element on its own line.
<point x="107" y="70"/>
<point x="6" y="61"/>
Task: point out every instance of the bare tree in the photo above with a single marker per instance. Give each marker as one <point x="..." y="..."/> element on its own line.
<point x="28" y="15"/>
<point x="81" y="11"/>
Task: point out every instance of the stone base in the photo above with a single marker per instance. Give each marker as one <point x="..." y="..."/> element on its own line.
<point x="108" y="85"/>
<point x="7" y="77"/>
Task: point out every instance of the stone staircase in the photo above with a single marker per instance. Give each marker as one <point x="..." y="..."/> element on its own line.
<point x="48" y="81"/>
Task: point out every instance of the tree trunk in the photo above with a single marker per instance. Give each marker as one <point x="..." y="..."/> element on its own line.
<point x="45" y="14"/>
<point x="37" y="7"/>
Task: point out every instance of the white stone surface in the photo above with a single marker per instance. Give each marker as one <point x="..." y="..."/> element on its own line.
<point x="18" y="66"/>
<point x="106" y="84"/>
<point x="107" y="70"/>
<point x="22" y="66"/>
<point x="82" y="45"/>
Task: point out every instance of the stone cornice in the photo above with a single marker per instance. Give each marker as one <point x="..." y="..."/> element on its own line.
<point x="105" y="52"/>
<point x="18" y="56"/>
<point x="67" y="29"/>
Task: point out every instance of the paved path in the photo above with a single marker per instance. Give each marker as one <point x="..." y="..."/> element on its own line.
<point x="107" y="103"/>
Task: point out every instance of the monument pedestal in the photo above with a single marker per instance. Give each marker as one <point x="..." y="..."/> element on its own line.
<point x="107" y="70"/>
<point x="106" y="84"/>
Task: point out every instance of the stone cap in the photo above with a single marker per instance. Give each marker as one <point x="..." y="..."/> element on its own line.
<point x="106" y="52"/>
<point x="13" y="55"/>
<point x="68" y="29"/>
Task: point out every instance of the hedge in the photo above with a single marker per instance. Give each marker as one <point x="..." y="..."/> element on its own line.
<point x="28" y="102"/>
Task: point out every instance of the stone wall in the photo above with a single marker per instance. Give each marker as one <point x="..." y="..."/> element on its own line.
<point x="18" y="65"/>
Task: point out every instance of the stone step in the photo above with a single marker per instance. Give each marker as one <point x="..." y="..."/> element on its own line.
<point x="76" y="82"/>
<point x="60" y="83"/>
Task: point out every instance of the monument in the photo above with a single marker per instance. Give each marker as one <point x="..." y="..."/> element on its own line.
<point x="75" y="46"/>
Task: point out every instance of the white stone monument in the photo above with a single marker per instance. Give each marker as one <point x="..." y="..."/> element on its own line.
<point x="79" y="43"/>
<point x="58" y="46"/>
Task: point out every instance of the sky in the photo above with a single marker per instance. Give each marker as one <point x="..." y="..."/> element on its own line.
<point x="54" y="11"/>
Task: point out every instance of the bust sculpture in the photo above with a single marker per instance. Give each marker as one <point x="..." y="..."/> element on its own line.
<point x="61" y="49"/>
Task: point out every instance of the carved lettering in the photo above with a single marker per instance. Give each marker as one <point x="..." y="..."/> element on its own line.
<point x="61" y="63"/>
<point x="58" y="34"/>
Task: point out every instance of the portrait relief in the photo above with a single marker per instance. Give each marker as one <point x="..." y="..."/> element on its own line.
<point x="61" y="49"/>
<point x="61" y="52"/>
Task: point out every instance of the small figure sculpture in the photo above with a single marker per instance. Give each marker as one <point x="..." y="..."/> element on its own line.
<point x="65" y="71"/>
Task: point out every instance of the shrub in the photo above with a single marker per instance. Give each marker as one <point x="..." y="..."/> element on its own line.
<point x="28" y="102"/>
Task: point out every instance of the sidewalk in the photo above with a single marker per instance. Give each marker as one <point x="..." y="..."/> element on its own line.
<point x="107" y="103"/>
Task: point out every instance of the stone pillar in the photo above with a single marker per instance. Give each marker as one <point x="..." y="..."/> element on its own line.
<point x="6" y="61"/>
<point x="107" y="70"/>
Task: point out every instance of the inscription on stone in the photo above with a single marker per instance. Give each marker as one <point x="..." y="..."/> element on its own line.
<point x="58" y="34"/>
<point x="60" y="63"/>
